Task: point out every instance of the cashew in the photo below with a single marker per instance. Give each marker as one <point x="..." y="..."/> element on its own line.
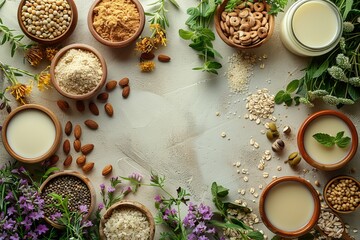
<point x="227" y="20"/>
<point x="222" y="25"/>
<point x="234" y="21"/>
<point x="257" y="25"/>
<point x="259" y="7"/>
<point x="231" y="31"/>
<point x="223" y="16"/>
<point x="263" y="21"/>
<point x="258" y="15"/>
<point x="262" y="32"/>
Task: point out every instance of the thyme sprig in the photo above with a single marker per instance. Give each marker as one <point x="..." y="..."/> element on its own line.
<point x="200" y="34"/>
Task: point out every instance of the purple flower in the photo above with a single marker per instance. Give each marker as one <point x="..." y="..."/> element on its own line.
<point x="110" y="189"/>
<point x="158" y="199"/>
<point x="102" y="187"/>
<point x="15" y="237"/>
<point x="100" y="206"/>
<point x="136" y="176"/>
<point x="9" y="196"/>
<point x="87" y="223"/>
<point x="36" y="215"/>
<point x="9" y="224"/>
<point x="55" y="216"/>
<point x="11" y="210"/>
<point x="23" y="182"/>
<point x="127" y="190"/>
<point x="27" y="223"/>
<point x="83" y="209"/>
<point x="41" y="229"/>
<point x="200" y="228"/>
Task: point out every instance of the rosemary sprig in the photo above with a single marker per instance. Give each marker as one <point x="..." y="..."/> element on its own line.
<point x="2" y="2"/>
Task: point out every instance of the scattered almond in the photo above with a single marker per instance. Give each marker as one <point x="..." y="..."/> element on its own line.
<point x="109" y="109"/>
<point x="77" y="145"/>
<point x="53" y="160"/>
<point x="93" y="108"/>
<point x="92" y="124"/>
<point x="88" y="167"/>
<point x="68" y="161"/>
<point x="77" y="131"/>
<point x="107" y="170"/>
<point x="80" y="106"/>
<point x="63" y="105"/>
<point x="124" y="82"/>
<point x="86" y="149"/>
<point x="111" y="85"/>
<point x="164" y="58"/>
<point x="147" y="56"/>
<point x="126" y="92"/>
<point x="68" y="128"/>
<point x="81" y="160"/>
<point x="66" y="146"/>
<point x="103" y="97"/>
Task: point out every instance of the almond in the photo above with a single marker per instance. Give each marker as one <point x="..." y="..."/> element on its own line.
<point x="77" y="131"/>
<point x="93" y="108"/>
<point x="164" y="58"/>
<point x="63" y="105"/>
<point x="92" y="124"/>
<point x="77" y="145"/>
<point x="86" y="149"/>
<point x="80" y="106"/>
<point x="147" y="56"/>
<point x="81" y="160"/>
<point x="68" y="161"/>
<point x="124" y="82"/>
<point x="111" y="85"/>
<point x="53" y="160"/>
<point x="88" y="167"/>
<point x="66" y="146"/>
<point x="107" y="170"/>
<point x="68" y="128"/>
<point x="103" y="97"/>
<point x="109" y="109"/>
<point x="126" y="92"/>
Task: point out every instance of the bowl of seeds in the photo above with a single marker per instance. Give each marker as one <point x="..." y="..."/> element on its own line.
<point x="71" y="185"/>
<point x="78" y="71"/>
<point x="342" y="194"/>
<point x="127" y="220"/>
<point x="47" y="22"/>
<point x="116" y="23"/>
<point x="331" y="225"/>
<point x="247" y="25"/>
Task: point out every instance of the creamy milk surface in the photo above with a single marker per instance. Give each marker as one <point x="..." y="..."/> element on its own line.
<point x="330" y="125"/>
<point x="289" y="206"/>
<point x="31" y="133"/>
<point x="315" y="24"/>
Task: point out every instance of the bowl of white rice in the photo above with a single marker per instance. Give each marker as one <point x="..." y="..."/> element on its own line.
<point x="127" y="220"/>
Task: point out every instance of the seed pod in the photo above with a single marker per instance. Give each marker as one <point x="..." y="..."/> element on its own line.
<point x="287" y="130"/>
<point x="278" y="145"/>
<point x="272" y="126"/>
<point x="294" y="159"/>
<point x="271" y="135"/>
<point x="68" y="128"/>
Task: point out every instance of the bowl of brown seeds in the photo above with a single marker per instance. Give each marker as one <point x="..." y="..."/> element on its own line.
<point x="47" y="22"/>
<point x="71" y="184"/>
<point x="342" y="194"/>
<point x="248" y="25"/>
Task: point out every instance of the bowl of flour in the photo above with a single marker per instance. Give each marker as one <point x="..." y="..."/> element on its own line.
<point x="78" y="71"/>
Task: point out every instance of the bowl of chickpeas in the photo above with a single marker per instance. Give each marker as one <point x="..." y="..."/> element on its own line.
<point x="47" y="22"/>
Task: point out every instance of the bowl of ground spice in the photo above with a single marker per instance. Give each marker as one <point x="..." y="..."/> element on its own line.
<point x="71" y="185"/>
<point x="116" y="23"/>
<point x="127" y="220"/>
<point x="78" y="71"/>
<point x="47" y="21"/>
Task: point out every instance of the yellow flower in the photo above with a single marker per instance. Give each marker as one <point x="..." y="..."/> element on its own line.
<point x="34" y="55"/>
<point x="43" y="80"/>
<point x="145" y="45"/>
<point x="20" y="91"/>
<point x="160" y="35"/>
<point x="147" y="66"/>
<point x="50" y="53"/>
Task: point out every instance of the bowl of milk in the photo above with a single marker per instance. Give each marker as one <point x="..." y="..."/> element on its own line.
<point x="31" y="133"/>
<point x="331" y="123"/>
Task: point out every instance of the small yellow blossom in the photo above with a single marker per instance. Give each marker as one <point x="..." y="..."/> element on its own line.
<point x="34" y="55"/>
<point x="50" y="53"/>
<point x="160" y="35"/>
<point x="43" y="80"/>
<point x="147" y="66"/>
<point x="20" y="92"/>
<point x="145" y="45"/>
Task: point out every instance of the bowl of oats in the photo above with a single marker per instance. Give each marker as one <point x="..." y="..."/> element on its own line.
<point x="78" y="71"/>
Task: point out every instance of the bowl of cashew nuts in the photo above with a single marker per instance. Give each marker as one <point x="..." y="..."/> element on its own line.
<point x="247" y="26"/>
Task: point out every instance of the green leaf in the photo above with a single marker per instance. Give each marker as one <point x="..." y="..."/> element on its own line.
<point x="323" y="67"/>
<point x="287" y="99"/>
<point x="2" y="2"/>
<point x="213" y="65"/>
<point x="324" y="139"/>
<point x="222" y="191"/>
<point x="13" y="49"/>
<point x="175" y="3"/>
<point x="229" y="205"/>
<point x="279" y="97"/>
<point x="348" y="6"/>
<point x="354" y="92"/>
<point x="339" y="135"/>
<point x="292" y="86"/>
<point x="50" y="171"/>
<point x="187" y="35"/>
<point x="255" y="235"/>
<point x="343" y="142"/>
<point x="297" y="100"/>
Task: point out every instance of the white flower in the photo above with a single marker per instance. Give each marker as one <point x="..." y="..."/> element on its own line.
<point x="343" y="61"/>
<point x="346" y="101"/>
<point x="337" y="73"/>
<point x="355" y="81"/>
<point x="342" y="44"/>
<point x="332" y="100"/>
<point x="348" y="27"/>
<point x="306" y="102"/>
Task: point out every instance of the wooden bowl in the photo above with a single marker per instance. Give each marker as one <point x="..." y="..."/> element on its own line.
<point x="125" y="205"/>
<point x="55" y="40"/>
<point x="83" y="179"/>
<point x="345" y="235"/>
<point x="220" y="32"/>
<point x="23" y="113"/>
<point x="315" y="163"/>
<point x="57" y="58"/>
<point x="328" y="185"/>
<point x="293" y="233"/>
<point x="119" y="44"/>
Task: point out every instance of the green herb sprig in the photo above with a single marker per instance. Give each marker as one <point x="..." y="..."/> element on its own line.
<point x="201" y="36"/>
<point x="329" y="141"/>
<point x="276" y="5"/>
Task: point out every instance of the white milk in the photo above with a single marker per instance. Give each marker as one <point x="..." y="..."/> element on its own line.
<point x="31" y="133"/>
<point x="330" y="125"/>
<point x="315" y="24"/>
<point x="289" y="206"/>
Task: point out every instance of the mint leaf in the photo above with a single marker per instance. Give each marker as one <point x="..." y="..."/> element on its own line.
<point x="339" y="135"/>
<point x="324" y="139"/>
<point x="343" y="142"/>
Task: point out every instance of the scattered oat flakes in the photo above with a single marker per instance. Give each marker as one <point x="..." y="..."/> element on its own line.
<point x="265" y="174"/>
<point x="246" y="179"/>
<point x="223" y="135"/>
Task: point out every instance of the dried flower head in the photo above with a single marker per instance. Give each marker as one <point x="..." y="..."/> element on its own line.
<point x="345" y="101"/>
<point x="342" y="44"/>
<point x="147" y="66"/>
<point x="20" y="92"/>
<point x="43" y="80"/>
<point x="343" y="61"/>
<point x="348" y="27"/>
<point x="34" y="55"/>
<point x="337" y="73"/>
<point x="332" y="100"/>
<point x="50" y="53"/>
<point x="159" y="35"/>
<point x="145" y="45"/>
<point x="355" y="81"/>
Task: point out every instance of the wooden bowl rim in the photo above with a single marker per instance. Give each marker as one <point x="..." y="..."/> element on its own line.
<point x="58" y="39"/>
<point x="127" y="204"/>
<point x="120" y="44"/>
<point x="58" y="133"/>
<point x="322" y="166"/>
<point x="327" y="185"/>
<point x="309" y="225"/>
<point x="217" y="17"/>
<point x="84" y="47"/>
<point x="83" y="179"/>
